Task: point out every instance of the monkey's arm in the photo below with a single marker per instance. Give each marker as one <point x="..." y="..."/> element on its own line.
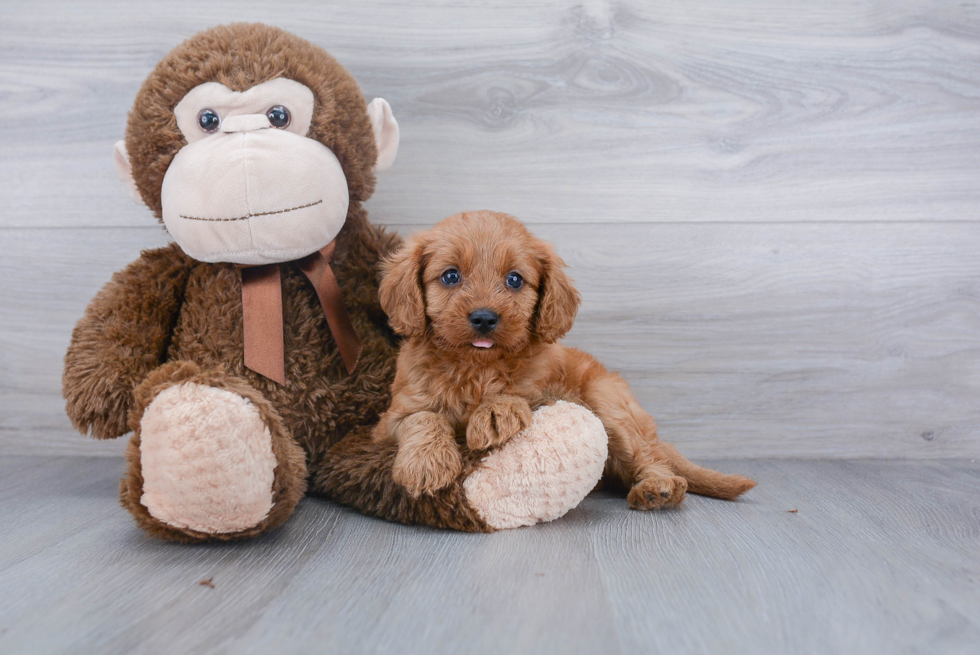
<point x="358" y="274"/>
<point x="123" y="336"/>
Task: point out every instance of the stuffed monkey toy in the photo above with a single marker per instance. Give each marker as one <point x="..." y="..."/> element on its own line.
<point x="250" y="358"/>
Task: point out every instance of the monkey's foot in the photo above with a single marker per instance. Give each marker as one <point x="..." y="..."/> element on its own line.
<point x="207" y="461"/>
<point x="543" y="471"/>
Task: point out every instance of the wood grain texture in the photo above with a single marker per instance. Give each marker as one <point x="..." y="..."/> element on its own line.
<point x="789" y="340"/>
<point x="880" y="557"/>
<point x="771" y="207"/>
<point x="555" y="110"/>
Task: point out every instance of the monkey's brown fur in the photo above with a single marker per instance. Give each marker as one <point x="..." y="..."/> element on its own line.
<point x="447" y="389"/>
<point x="167" y="318"/>
<point x="358" y="472"/>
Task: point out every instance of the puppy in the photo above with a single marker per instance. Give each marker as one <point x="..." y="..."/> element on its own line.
<point x="482" y="304"/>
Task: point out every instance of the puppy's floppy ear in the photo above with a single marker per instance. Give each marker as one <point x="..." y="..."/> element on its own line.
<point x="400" y="292"/>
<point x="558" y="300"/>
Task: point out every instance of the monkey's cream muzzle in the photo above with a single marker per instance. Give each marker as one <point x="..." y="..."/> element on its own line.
<point x="252" y="194"/>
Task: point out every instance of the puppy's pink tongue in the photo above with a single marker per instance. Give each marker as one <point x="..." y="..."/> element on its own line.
<point x="483" y="343"/>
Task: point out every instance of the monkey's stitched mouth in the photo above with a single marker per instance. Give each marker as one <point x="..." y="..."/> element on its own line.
<point x="247" y="216"/>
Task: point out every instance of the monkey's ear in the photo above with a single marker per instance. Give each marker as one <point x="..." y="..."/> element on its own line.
<point x="124" y="171"/>
<point x="400" y="292"/>
<point x="385" y="133"/>
<point x="558" y="300"/>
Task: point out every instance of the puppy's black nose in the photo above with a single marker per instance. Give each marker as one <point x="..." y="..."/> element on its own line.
<point x="484" y="320"/>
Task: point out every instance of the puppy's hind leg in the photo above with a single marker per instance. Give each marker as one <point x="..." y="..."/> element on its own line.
<point x="645" y="465"/>
<point x="704" y="481"/>
<point x="634" y="459"/>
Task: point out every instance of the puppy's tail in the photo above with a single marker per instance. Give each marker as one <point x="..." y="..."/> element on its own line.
<point x="703" y="481"/>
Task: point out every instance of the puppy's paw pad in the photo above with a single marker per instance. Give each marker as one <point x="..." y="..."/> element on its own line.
<point x="655" y="493"/>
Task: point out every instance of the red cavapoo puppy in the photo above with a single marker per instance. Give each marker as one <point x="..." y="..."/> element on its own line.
<point x="483" y="304"/>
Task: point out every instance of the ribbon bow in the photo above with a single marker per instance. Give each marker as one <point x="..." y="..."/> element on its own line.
<point x="262" y="313"/>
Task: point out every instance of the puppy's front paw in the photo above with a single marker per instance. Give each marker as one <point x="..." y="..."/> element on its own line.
<point x="496" y="420"/>
<point x="426" y="467"/>
<point x="657" y="492"/>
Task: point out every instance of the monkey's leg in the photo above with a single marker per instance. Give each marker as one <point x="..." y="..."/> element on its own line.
<point x="209" y="458"/>
<point x="538" y="475"/>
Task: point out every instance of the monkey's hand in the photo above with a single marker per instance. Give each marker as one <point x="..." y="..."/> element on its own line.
<point x="496" y="420"/>
<point x="122" y="337"/>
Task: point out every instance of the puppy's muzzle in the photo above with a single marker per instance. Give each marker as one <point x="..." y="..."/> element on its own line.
<point x="484" y="320"/>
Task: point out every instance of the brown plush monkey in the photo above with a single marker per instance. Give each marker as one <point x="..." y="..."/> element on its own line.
<point x="242" y="355"/>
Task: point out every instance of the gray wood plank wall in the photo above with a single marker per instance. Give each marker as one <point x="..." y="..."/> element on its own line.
<point x="771" y="207"/>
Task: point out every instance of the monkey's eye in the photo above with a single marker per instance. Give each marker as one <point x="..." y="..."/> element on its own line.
<point x="514" y="280"/>
<point x="209" y="120"/>
<point x="451" y="277"/>
<point x="278" y="116"/>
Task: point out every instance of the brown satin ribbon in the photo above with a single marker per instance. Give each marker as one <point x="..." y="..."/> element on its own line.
<point x="262" y="313"/>
<point x="262" y="321"/>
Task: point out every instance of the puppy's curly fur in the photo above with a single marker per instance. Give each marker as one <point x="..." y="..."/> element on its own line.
<point x="450" y="385"/>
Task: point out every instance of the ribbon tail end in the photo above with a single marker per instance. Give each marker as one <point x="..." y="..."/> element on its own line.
<point x="352" y="359"/>
<point x="278" y="376"/>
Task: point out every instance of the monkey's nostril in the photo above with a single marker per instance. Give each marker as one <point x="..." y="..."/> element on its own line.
<point x="484" y="320"/>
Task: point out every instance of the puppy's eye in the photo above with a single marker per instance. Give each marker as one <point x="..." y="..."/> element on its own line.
<point x="451" y="277"/>
<point x="514" y="280"/>
<point x="209" y="120"/>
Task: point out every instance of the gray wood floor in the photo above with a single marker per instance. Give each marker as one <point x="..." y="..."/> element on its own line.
<point x="880" y="557"/>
